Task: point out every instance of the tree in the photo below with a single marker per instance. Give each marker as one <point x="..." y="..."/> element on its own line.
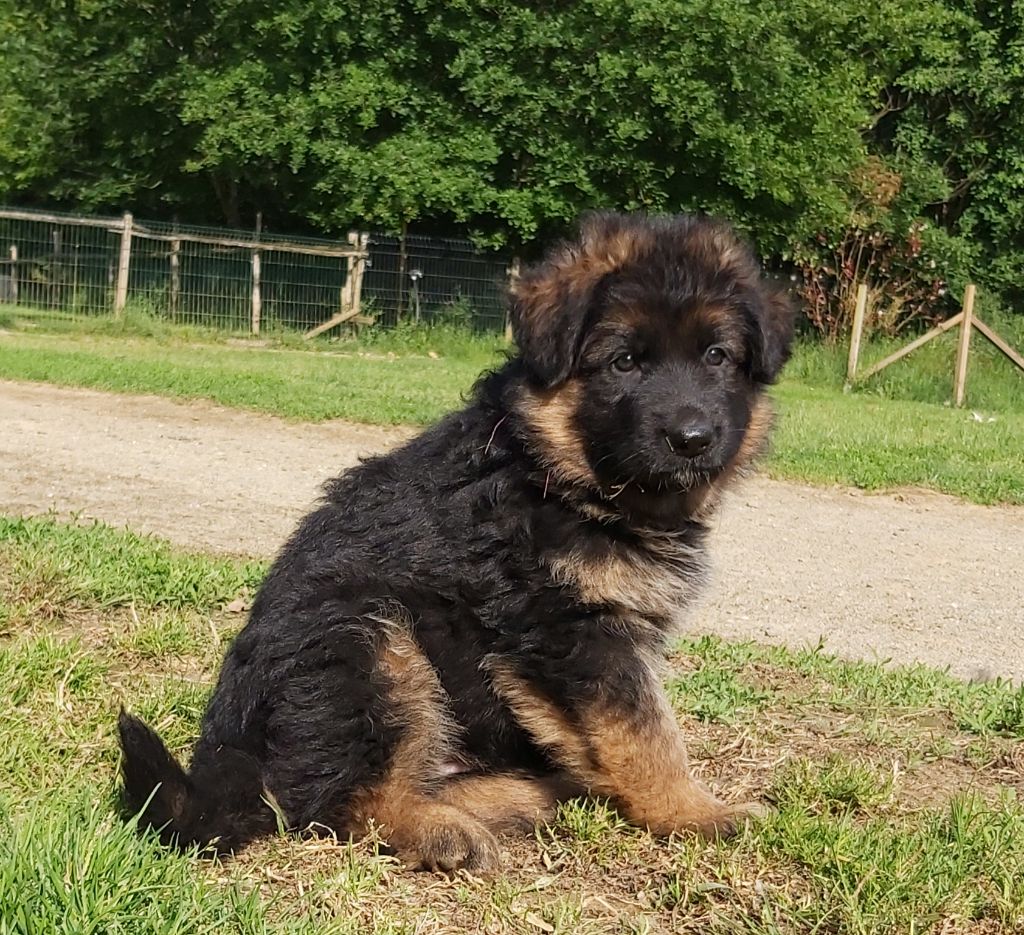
<point x="507" y="121"/>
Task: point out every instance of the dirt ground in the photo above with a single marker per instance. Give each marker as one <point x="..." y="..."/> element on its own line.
<point x="907" y="577"/>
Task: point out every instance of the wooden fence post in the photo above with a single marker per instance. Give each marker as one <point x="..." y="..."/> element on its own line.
<point x="964" y="346"/>
<point x="345" y="295"/>
<point x="56" y="292"/>
<point x="123" y="264"/>
<point x="999" y="343"/>
<point x="403" y="263"/>
<point x="513" y="275"/>
<point x="257" y="298"/>
<point x="350" y="297"/>
<point x="855" y="334"/>
<point x="175" y="277"/>
<point x="14" y="275"/>
<point x="357" y="269"/>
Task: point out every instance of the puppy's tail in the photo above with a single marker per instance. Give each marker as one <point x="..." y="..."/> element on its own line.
<point x="220" y="806"/>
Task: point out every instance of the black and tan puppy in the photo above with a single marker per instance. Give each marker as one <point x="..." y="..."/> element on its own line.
<point x="469" y="628"/>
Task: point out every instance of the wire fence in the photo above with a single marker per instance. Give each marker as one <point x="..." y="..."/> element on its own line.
<point x="77" y="266"/>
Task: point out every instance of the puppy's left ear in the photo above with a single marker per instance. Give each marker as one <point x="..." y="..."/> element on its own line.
<point x="549" y="313"/>
<point x="773" y="343"/>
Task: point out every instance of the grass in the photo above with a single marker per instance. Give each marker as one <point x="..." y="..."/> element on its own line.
<point x="896" y="431"/>
<point x="106" y="567"/>
<point x="826" y="437"/>
<point x="373" y="385"/>
<point x="896" y="791"/>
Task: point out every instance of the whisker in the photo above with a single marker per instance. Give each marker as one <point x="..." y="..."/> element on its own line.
<point x="622" y="487"/>
<point x="494" y="432"/>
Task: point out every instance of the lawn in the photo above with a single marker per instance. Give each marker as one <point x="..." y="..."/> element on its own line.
<point x="897" y="431"/>
<point x="896" y="792"/>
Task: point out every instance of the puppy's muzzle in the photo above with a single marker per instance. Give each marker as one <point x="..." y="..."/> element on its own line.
<point x="690" y="435"/>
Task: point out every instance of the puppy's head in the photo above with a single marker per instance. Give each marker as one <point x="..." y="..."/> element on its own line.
<point x="648" y="343"/>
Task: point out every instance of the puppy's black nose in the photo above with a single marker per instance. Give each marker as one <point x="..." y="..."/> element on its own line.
<point x="691" y="437"/>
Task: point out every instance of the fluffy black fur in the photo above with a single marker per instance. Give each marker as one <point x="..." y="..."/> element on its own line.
<point x="456" y="533"/>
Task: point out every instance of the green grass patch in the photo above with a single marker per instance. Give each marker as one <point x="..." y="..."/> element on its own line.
<point x="835" y="785"/>
<point x="896" y="790"/>
<point x="859" y="688"/>
<point x="716" y="693"/>
<point x="892" y="433"/>
<point x="372" y="386"/>
<point x="954" y="869"/>
<point x="897" y="429"/>
<point x="447" y="333"/>
<point x="52" y="564"/>
<point x="926" y="375"/>
<point x="823" y="436"/>
<point x="73" y="867"/>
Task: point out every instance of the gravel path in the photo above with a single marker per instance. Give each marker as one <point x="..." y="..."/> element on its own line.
<point x="908" y="576"/>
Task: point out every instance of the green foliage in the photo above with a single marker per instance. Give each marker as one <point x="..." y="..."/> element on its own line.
<point x="70" y="867"/>
<point x="834" y="786"/>
<point x="956" y="110"/>
<point x="945" y="204"/>
<point x="714" y="693"/>
<point x="510" y="124"/>
<point x="862" y="688"/>
<point x="341" y="112"/>
<point x="507" y="124"/>
<point x="934" y="867"/>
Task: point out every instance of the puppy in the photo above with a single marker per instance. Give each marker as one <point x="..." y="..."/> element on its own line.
<point x="469" y="629"/>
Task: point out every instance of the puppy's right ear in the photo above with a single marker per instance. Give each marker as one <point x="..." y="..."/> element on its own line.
<point x="549" y="314"/>
<point x="774" y="340"/>
<point x="553" y="302"/>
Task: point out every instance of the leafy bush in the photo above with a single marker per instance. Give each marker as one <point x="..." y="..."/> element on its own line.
<point x="884" y="244"/>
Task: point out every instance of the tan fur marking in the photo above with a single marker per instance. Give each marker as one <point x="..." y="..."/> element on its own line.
<point x="717" y="316"/>
<point x="543" y="721"/>
<point x="427" y="833"/>
<point x="646" y="584"/>
<point x="555" y="441"/>
<point x="729" y="249"/>
<point x="723" y="322"/>
<point x="539" y="297"/>
<point x="578" y="267"/>
<point x="421" y="702"/>
<point x="424" y="831"/>
<point x="604" y="250"/>
<point x="640" y="763"/>
<point x="644" y="769"/>
<point x="755" y="440"/>
<point x="507" y="802"/>
<point x="599" y="251"/>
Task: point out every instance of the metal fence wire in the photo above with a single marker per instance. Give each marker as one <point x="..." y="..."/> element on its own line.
<point x="68" y="264"/>
<point x="77" y="266"/>
<point x="429" y="277"/>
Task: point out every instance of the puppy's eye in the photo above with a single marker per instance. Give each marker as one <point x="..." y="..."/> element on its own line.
<point x="716" y="355"/>
<point x="624" y="363"/>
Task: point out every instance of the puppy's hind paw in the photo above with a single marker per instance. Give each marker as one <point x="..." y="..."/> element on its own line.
<point x="448" y="839"/>
<point x="730" y="819"/>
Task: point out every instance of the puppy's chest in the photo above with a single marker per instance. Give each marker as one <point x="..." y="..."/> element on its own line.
<point x="653" y="584"/>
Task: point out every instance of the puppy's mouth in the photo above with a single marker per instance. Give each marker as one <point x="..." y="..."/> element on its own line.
<point x="680" y="479"/>
<point x="687" y="476"/>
